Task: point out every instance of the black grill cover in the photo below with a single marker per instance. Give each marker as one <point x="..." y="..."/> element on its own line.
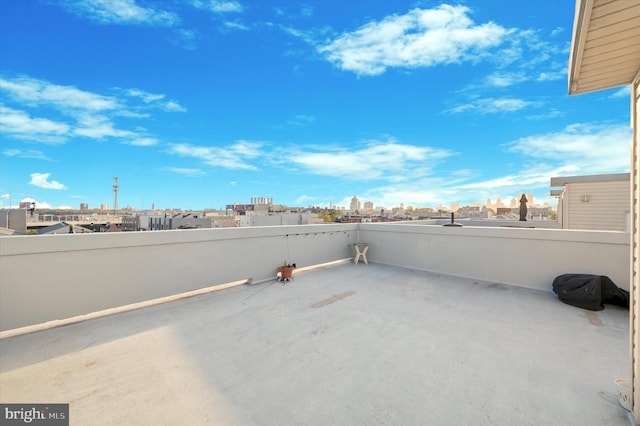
<point x="589" y="291"/>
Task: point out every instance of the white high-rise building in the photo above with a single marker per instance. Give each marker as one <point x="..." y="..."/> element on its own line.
<point x="355" y="204"/>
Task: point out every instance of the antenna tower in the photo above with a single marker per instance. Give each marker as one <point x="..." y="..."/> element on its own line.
<point x="115" y="195"/>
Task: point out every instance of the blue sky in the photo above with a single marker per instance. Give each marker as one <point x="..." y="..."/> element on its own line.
<point x="197" y="104"/>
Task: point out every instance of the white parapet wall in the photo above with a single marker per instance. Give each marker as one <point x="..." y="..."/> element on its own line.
<point x="54" y="277"/>
<point x="524" y="257"/>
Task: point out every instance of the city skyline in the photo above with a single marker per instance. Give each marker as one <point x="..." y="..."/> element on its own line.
<point x="196" y="104"/>
<point x="355" y="204"/>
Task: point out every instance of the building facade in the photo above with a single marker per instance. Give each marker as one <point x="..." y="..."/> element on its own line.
<point x="597" y="202"/>
<point x="605" y="53"/>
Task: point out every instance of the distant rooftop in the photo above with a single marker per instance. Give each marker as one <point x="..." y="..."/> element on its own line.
<point x="349" y="344"/>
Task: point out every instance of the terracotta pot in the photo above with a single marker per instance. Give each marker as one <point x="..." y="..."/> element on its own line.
<point x="286" y="272"/>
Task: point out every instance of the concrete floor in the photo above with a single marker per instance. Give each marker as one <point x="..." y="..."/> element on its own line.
<point x="345" y="345"/>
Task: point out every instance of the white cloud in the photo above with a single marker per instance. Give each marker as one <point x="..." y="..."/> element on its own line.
<point x="41" y="180"/>
<point x="377" y="160"/>
<point x="557" y="31"/>
<point x="588" y="148"/>
<point x="25" y="153"/>
<point x="578" y="149"/>
<point x="426" y="191"/>
<point x="189" y="172"/>
<point x="527" y="178"/>
<point x="173" y="106"/>
<point x="622" y="92"/>
<point x="88" y="114"/>
<point x="230" y="157"/>
<point x="525" y="58"/>
<point x="445" y="190"/>
<point x="41" y="204"/>
<point x="36" y="92"/>
<point x="246" y="148"/>
<point x="156" y="100"/>
<point x="188" y="39"/>
<point x="493" y="105"/>
<point x="413" y="195"/>
<point x="420" y="38"/>
<point x="505" y="79"/>
<point x="71" y="100"/>
<point x="21" y="125"/>
<point x="551" y="113"/>
<point x="151" y="100"/>
<point x="99" y="127"/>
<point x="304" y="200"/>
<point x="299" y="120"/>
<point x="553" y="75"/>
<point x="145" y="96"/>
<point x="235" y="26"/>
<point x="124" y="12"/>
<point x="144" y="142"/>
<point x="307" y="11"/>
<point x="219" y="6"/>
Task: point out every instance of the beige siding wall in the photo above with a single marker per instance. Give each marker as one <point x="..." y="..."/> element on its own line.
<point x="634" y="318"/>
<point x="607" y="209"/>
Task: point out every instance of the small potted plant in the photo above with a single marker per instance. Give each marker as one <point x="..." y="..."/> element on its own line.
<point x="286" y="271"/>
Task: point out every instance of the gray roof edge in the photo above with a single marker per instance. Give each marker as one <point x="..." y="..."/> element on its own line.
<point x="563" y="180"/>
<point x="582" y="9"/>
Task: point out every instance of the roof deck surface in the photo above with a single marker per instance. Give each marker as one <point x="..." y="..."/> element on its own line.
<point x="345" y="345"/>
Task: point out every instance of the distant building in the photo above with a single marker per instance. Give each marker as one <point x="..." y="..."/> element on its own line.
<point x="14" y="219"/>
<point x="355" y="204"/>
<point x="84" y="207"/>
<point x="468" y="209"/>
<point x="598" y="202"/>
<point x="261" y="200"/>
<point x="162" y="221"/>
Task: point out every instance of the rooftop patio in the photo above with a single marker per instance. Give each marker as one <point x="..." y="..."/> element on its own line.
<point x="346" y="344"/>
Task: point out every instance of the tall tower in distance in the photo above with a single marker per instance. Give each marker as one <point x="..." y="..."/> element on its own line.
<point x="115" y="194"/>
<point x="355" y="204"/>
